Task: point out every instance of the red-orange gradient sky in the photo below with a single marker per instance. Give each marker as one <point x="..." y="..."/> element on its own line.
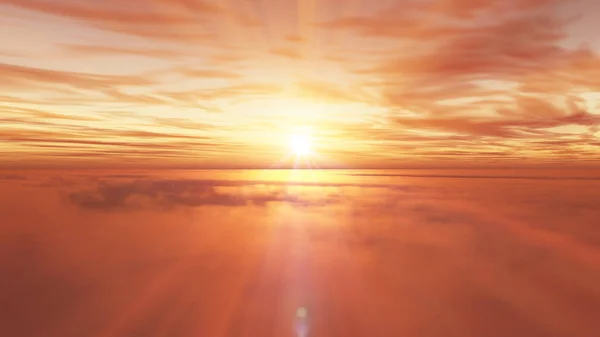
<point x="222" y="83"/>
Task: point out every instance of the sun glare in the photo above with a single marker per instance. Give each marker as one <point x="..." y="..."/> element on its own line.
<point x="300" y="144"/>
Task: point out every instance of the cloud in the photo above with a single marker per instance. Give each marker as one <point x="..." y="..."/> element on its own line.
<point x="445" y="62"/>
<point x="110" y="11"/>
<point x="488" y="251"/>
<point x="209" y="73"/>
<point x="26" y="114"/>
<point x="73" y="138"/>
<point x="294" y="38"/>
<point x="100" y="50"/>
<point x="530" y="119"/>
<point x="479" y="79"/>
<point x="14" y="74"/>
<point x="471" y="8"/>
<point x="182" y="123"/>
<point x="243" y="91"/>
<point x="13" y="177"/>
<point x="144" y="189"/>
<point x="332" y="92"/>
<point x="190" y="193"/>
<point x="458" y="84"/>
<point x="426" y="19"/>
<point x="287" y="52"/>
<point x="397" y="22"/>
<point x="500" y="51"/>
<point x="482" y="175"/>
<point x="152" y="19"/>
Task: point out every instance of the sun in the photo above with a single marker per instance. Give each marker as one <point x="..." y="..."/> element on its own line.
<point x="300" y="144"/>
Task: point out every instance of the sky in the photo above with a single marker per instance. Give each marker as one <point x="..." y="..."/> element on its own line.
<point x="199" y="83"/>
<point x="230" y="253"/>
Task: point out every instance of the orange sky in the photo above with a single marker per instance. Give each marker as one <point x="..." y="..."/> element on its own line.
<point x="193" y="83"/>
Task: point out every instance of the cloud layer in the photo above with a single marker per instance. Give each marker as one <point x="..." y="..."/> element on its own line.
<point x="229" y="253"/>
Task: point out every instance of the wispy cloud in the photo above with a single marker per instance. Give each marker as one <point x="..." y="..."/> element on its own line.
<point x="390" y="80"/>
<point x="20" y="75"/>
<point x="102" y="50"/>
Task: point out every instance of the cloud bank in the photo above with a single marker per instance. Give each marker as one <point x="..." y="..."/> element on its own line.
<point x="141" y="253"/>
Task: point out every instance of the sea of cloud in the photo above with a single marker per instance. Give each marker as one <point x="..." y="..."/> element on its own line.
<point x="384" y="253"/>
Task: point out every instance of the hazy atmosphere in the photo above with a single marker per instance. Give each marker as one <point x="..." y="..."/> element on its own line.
<point x="299" y="168"/>
<point x="386" y="83"/>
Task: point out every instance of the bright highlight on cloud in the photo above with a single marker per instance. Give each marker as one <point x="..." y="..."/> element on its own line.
<point x="206" y="83"/>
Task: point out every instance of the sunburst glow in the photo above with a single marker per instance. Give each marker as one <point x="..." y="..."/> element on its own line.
<point x="300" y="144"/>
<point x="227" y="83"/>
